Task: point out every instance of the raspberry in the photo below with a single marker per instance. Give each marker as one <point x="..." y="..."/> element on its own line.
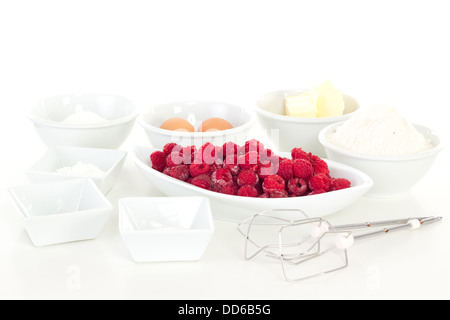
<point x="286" y="170"/>
<point x="273" y="183"/>
<point x="247" y="177"/>
<point x="249" y="161"/>
<point x="297" y="187"/>
<point x="299" y="153"/>
<point x="167" y="149"/>
<point x="196" y="169"/>
<point x="158" y="159"/>
<point x="167" y="171"/>
<point x="175" y="157"/>
<point x="240" y="151"/>
<point x="180" y="172"/>
<point x="319" y="165"/>
<point x="302" y="168"/>
<point x="221" y="178"/>
<point x="206" y="154"/>
<point x="269" y="152"/>
<point x="248" y="191"/>
<point x="318" y="191"/>
<point x="264" y="195"/>
<point x="265" y="155"/>
<point x="209" y="148"/>
<point x="229" y="149"/>
<point x="215" y="166"/>
<point x="202" y="181"/>
<point x="230" y="163"/>
<point x="188" y="154"/>
<point x="268" y="167"/>
<point x="278" y="194"/>
<point x="319" y="181"/>
<point x="230" y="189"/>
<point x="253" y="145"/>
<point x="339" y="183"/>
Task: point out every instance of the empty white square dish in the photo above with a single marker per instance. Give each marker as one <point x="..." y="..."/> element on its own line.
<point x="165" y="229"/>
<point x="64" y="162"/>
<point x="63" y="211"/>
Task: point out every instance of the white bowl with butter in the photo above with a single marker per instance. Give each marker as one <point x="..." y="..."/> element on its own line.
<point x="288" y="132"/>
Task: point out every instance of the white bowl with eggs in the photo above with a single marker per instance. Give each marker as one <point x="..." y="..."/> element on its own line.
<point x="187" y="117"/>
<point x="84" y="120"/>
<point x="289" y="132"/>
<point x="393" y="174"/>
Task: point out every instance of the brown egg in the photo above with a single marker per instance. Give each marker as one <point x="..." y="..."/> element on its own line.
<point x="178" y="124"/>
<point x="214" y="124"/>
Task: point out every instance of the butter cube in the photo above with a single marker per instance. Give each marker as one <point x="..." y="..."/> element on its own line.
<point x="302" y="105"/>
<point x="330" y="102"/>
<point x="320" y="102"/>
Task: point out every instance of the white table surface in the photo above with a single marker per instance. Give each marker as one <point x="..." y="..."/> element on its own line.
<point x="47" y="56"/>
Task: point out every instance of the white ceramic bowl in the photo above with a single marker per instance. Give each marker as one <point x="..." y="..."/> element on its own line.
<point x="50" y="114"/>
<point x="63" y="211"/>
<point x="292" y="132"/>
<point x="47" y="168"/>
<point x="196" y="112"/>
<point x="393" y="176"/>
<point x="165" y="229"/>
<point x="236" y="208"/>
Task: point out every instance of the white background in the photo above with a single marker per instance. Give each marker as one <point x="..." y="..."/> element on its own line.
<point x="233" y="51"/>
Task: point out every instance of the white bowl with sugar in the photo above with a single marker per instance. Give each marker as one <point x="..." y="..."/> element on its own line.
<point x="84" y="120"/>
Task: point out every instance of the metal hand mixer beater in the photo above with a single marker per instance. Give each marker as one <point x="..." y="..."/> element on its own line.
<point x="299" y="242"/>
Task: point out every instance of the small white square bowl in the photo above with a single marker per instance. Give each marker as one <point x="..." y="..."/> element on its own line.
<point x="165" y="229"/>
<point x="63" y="211"/>
<point x="108" y="160"/>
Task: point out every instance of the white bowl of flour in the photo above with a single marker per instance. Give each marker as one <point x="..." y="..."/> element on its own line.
<point x="395" y="153"/>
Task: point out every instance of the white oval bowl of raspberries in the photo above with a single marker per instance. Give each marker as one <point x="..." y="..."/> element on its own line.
<point x="243" y="180"/>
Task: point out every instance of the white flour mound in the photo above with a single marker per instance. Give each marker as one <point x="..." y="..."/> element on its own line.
<point x="379" y="130"/>
<point x="81" y="169"/>
<point x="85" y="117"/>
